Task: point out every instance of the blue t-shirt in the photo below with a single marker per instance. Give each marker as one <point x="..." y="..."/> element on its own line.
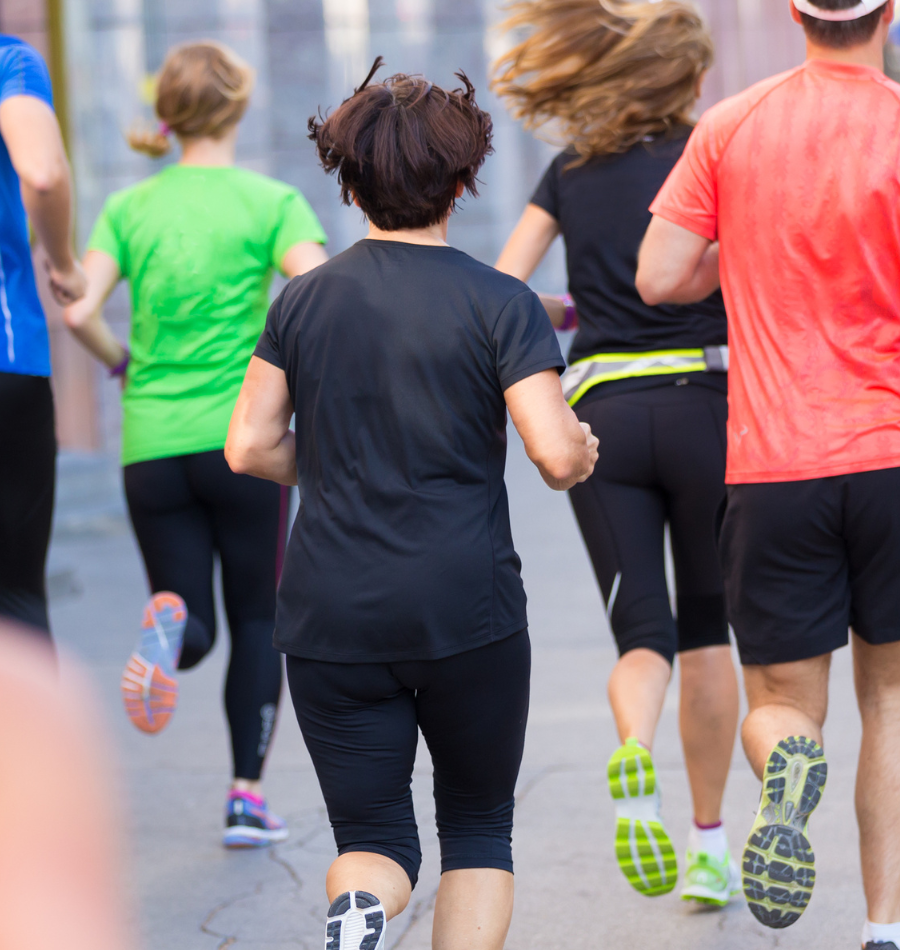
<point x="24" y="343"/>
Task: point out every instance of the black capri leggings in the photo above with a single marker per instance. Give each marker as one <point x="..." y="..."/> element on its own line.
<point x="361" y="725"/>
<point x="185" y="510"/>
<point x="27" y="480"/>
<point x="662" y="459"/>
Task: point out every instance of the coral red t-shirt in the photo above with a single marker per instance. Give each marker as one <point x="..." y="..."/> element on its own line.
<point x="797" y="178"/>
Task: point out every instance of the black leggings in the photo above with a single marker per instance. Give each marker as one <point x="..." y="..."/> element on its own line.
<point x="27" y="480"/>
<point x="361" y="725"/>
<point x="186" y="509"/>
<point x="662" y="459"/>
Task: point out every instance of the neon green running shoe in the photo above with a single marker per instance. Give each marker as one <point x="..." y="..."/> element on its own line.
<point x="779" y="864"/>
<point x="707" y="880"/>
<point x="643" y="849"/>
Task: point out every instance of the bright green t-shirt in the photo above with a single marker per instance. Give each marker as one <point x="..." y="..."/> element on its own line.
<point x="198" y="246"/>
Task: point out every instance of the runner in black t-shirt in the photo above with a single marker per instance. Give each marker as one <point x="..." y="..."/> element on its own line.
<point x="401" y="606"/>
<point x="651" y="383"/>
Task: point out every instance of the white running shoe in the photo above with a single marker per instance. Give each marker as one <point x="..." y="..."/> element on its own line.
<point x="356" y="921"/>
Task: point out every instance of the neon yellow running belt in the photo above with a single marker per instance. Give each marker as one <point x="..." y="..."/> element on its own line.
<point x="584" y="374"/>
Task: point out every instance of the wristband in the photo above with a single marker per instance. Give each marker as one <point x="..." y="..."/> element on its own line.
<point x="570" y="320"/>
<point x="119" y="370"/>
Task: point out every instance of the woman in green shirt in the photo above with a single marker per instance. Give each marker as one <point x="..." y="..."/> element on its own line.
<point x="198" y="243"/>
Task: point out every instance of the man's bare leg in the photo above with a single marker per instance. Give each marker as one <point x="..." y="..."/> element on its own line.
<point x="877" y="673"/>
<point x="785" y="699"/>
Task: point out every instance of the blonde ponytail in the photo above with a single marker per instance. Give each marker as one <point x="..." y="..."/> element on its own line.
<point x="150" y="140"/>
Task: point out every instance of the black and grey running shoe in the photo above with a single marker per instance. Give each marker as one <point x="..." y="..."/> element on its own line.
<point x="778" y="870"/>
<point x="881" y="945"/>
<point x="355" y="921"/>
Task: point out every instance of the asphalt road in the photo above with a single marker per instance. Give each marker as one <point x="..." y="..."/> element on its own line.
<point x="190" y="894"/>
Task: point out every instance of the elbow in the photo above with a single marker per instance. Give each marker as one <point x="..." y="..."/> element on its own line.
<point x="76" y="317"/>
<point x="562" y="470"/>
<point x="651" y="291"/>
<point x="43" y="177"/>
<point x="566" y="468"/>
<point x="237" y="457"/>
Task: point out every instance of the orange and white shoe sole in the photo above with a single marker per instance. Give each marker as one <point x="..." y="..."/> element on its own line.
<point x="149" y="687"/>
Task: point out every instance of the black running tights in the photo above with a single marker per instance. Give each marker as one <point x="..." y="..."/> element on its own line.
<point x="185" y="510"/>
<point x="662" y="459"/>
<point x="27" y="479"/>
<point x="361" y="723"/>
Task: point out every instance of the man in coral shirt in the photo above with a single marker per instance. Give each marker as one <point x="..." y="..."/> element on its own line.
<point x="790" y="191"/>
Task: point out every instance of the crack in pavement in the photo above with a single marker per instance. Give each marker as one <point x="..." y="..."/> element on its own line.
<point x="227" y="940"/>
<point x="291" y="870"/>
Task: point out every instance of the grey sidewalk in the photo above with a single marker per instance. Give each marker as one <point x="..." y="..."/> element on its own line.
<point x="190" y="894"/>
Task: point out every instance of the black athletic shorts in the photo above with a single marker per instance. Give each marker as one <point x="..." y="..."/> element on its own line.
<point x="804" y="561"/>
<point x="662" y="461"/>
<point x="361" y="723"/>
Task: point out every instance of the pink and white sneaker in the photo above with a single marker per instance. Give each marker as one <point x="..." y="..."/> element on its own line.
<point x="250" y="824"/>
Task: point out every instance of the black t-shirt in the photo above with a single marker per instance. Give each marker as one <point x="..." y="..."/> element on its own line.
<point x="602" y="210"/>
<point x="396" y="357"/>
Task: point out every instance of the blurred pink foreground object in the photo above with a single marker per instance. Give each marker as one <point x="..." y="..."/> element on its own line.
<point x="59" y="868"/>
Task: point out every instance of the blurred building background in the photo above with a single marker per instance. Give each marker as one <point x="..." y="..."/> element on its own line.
<point x="308" y="54"/>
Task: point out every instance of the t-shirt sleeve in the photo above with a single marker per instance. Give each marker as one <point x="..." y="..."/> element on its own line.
<point x="269" y="346"/>
<point x="23" y="72"/>
<point x="546" y="195"/>
<point x="523" y="340"/>
<point x="689" y="196"/>
<point x="105" y="237"/>
<point x="298" y="224"/>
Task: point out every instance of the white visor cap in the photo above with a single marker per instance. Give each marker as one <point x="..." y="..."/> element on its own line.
<point x="863" y="8"/>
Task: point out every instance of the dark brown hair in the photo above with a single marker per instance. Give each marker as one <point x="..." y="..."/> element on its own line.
<point x="842" y="33"/>
<point x="603" y="75"/>
<point x="403" y="147"/>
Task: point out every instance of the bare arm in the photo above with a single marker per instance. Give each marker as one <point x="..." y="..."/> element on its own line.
<point x="85" y="317"/>
<point x="529" y="242"/>
<point x="676" y="265"/>
<point x="302" y="257"/>
<point x="563" y="449"/>
<point x="525" y="249"/>
<point x="260" y="441"/>
<point x="31" y="133"/>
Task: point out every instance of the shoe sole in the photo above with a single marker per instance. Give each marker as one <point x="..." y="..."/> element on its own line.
<point x="644" y="851"/>
<point x="244" y="837"/>
<point x="778" y="871"/>
<point x="149" y="688"/>
<point x="359" y="925"/>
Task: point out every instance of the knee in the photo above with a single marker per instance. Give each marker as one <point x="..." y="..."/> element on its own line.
<point x="657" y="642"/>
<point x="802" y="686"/>
<point x="404" y="851"/>
<point x="198" y="641"/>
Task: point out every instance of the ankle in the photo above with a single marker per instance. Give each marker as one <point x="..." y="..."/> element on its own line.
<point x="709" y="840"/>
<point x="247" y="786"/>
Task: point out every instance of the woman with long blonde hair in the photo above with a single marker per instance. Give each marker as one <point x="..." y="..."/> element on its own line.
<point x="198" y="243"/>
<point x="616" y="83"/>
